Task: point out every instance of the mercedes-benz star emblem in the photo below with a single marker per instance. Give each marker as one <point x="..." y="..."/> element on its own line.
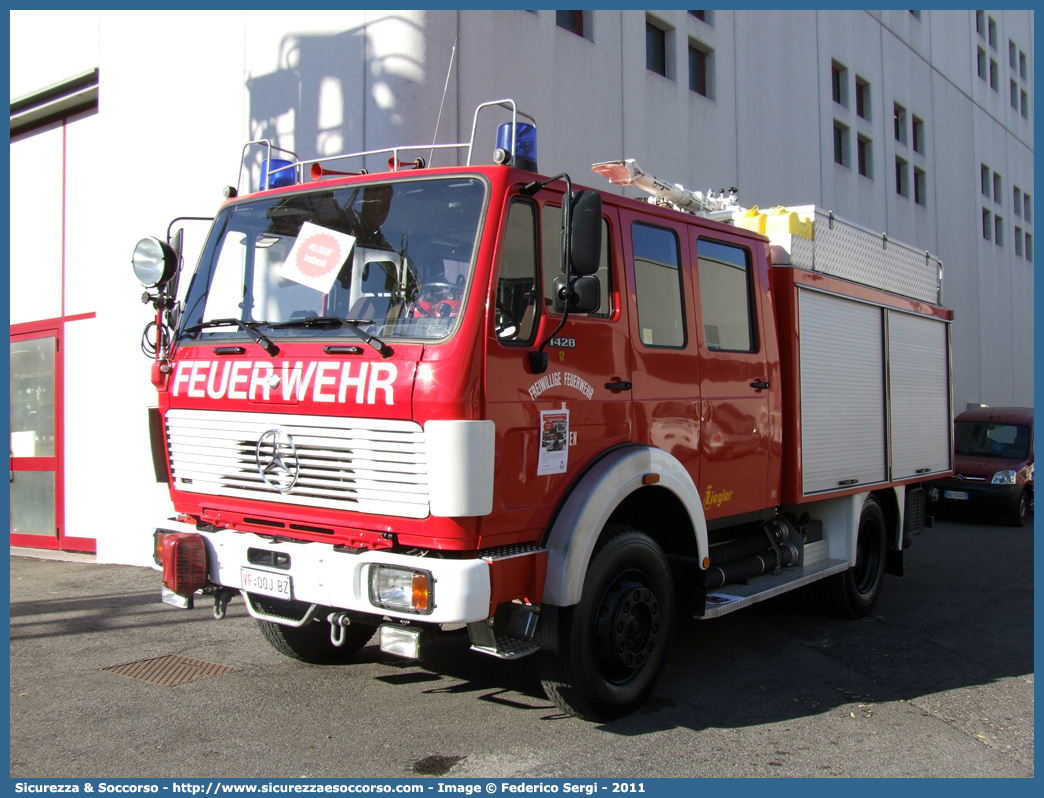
<point x="277" y="461"/>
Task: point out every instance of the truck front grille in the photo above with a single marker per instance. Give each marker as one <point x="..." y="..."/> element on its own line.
<point x="363" y="465"/>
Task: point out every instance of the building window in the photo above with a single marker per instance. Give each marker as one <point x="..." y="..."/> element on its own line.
<point x="1018" y="242"/>
<point x="997" y="187"/>
<point x="998" y="230"/>
<point x="1011" y="54"/>
<point x="993" y="33"/>
<point x="987" y="224"/>
<point x="571" y="21"/>
<point x="655" y="49"/>
<point x="862" y="92"/>
<point x="1025" y="104"/>
<point x="1016" y="202"/>
<point x="701" y="61"/>
<point x="839" y="83"/>
<point x="1027" y="209"/>
<point x="918" y="135"/>
<point x="840" y="144"/>
<point x="980" y="23"/>
<point x="865" y="156"/>
<point x="920" y="187"/>
<point x="899" y="117"/>
<point x="1014" y="95"/>
<point x="1029" y="247"/>
<point x="902" y="178"/>
<point x="994" y="80"/>
<point x="1022" y="65"/>
<point x="700" y="15"/>
<point x="980" y="66"/>
<point x="984" y="179"/>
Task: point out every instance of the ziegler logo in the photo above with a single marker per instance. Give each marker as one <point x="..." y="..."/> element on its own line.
<point x="713" y="499"/>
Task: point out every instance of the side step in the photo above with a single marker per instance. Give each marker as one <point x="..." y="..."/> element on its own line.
<point x="508" y="648"/>
<point x="730" y="598"/>
<point x="518" y="640"/>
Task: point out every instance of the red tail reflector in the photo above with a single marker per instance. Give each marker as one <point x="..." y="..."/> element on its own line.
<point x="184" y="563"/>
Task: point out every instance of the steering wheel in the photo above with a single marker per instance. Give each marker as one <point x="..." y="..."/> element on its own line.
<point x="506" y="325"/>
<point x="456" y="292"/>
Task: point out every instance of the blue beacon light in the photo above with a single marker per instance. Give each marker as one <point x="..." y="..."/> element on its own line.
<point x="274" y="179"/>
<point x="525" y="144"/>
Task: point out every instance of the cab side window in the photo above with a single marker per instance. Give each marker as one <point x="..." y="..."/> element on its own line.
<point x="725" y="296"/>
<point x="658" y="283"/>
<point x="551" y="244"/>
<point x="517" y="286"/>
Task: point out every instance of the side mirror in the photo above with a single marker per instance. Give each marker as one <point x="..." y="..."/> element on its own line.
<point x="585" y="245"/>
<point x="155" y="262"/>
<point x="584" y="298"/>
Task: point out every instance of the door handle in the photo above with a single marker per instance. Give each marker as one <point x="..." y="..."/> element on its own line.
<point x="759" y="384"/>
<point x="616" y="387"/>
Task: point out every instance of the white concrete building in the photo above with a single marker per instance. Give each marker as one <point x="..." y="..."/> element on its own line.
<point x="918" y="124"/>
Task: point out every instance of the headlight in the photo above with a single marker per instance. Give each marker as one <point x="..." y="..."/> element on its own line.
<point x="154" y="262"/>
<point x="402" y="589"/>
<point x="1004" y="478"/>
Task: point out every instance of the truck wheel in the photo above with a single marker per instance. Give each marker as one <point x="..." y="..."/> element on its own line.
<point x="311" y="642"/>
<point x="613" y="644"/>
<point x="1020" y="510"/>
<point x="854" y="593"/>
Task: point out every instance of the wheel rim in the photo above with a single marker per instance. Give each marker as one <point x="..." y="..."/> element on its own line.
<point x="628" y="627"/>
<point x="1023" y="507"/>
<point x="868" y="556"/>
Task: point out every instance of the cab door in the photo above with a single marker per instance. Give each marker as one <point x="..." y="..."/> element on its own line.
<point x="736" y="385"/>
<point x="665" y="374"/>
<point x="588" y="354"/>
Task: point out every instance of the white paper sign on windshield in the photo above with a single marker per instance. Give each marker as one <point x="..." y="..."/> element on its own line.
<point x="317" y="257"/>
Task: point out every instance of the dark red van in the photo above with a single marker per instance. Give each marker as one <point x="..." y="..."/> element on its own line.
<point x="993" y="463"/>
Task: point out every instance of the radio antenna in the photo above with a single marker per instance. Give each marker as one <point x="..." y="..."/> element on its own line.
<point x="445" y="89"/>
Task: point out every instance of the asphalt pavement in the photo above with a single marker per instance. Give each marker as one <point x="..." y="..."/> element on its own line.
<point x="937" y="682"/>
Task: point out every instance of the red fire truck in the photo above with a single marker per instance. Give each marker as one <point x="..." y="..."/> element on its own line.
<point x="474" y="400"/>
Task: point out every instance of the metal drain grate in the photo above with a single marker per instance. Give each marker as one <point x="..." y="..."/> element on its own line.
<point x="170" y="670"/>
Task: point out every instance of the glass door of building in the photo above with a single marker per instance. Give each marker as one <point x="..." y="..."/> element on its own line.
<point x="36" y="516"/>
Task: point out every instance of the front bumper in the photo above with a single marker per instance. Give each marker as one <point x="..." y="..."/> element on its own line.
<point x="339" y="578"/>
<point x="980" y="495"/>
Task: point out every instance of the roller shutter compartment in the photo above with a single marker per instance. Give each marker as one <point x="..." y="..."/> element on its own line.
<point x="919" y="388"/>
<point x="842" y="393"/>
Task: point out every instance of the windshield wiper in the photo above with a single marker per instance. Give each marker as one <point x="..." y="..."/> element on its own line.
<point x="336" y="321"/>
<point x="247" y="327"/>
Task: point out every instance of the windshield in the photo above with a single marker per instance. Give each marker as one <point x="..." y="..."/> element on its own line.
<point x="987" y="439"/>
<point x="395" y="258"/>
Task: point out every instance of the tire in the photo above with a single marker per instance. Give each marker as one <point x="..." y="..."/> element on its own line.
<point x="613" y="644"/>
<point x="1020" y="510"/>
<point x="311" y="642"/>
<point x="853" y="593"/>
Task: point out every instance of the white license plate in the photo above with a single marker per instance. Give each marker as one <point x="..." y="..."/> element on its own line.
<point x="960" y="495"/>
<point x="265" y="583"/>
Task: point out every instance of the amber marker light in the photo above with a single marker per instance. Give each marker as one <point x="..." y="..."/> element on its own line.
<point x="706" y="562"/>
<point x="650" y="479"/>
<point x="420" y="592"/>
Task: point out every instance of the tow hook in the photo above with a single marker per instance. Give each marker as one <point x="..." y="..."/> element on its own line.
<point x="339" y="621"/>
<point x="221" y="599"/>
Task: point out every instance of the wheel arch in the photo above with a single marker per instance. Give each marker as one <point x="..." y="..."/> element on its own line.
<point x="614" y="490"/>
